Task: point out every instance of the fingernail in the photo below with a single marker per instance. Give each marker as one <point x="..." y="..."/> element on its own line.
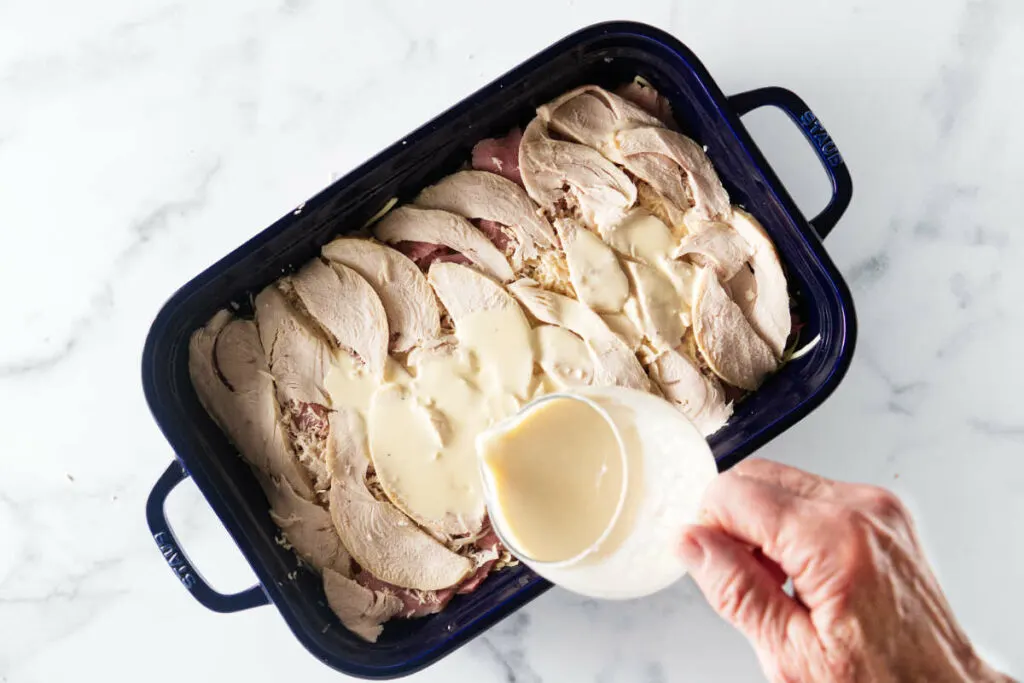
<point x="691" y="551"/>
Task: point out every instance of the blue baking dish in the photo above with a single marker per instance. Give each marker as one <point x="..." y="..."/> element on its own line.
<point x="606" y="54"/>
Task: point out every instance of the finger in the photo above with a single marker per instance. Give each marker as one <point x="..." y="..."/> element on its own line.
<point x="763" y="516"/>
<point x="741" y="590"/>
<point x="792" y="479"/>
<point x="771" y="566"/>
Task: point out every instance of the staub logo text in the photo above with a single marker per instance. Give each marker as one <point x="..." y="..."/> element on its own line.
<point x="820" y="137"/>
<point x="175" y="559"/>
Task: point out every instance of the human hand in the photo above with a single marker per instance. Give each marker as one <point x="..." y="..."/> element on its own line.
<point x="865" y="604"/>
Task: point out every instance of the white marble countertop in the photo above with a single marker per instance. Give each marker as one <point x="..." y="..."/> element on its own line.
<point x="140" y="141"/>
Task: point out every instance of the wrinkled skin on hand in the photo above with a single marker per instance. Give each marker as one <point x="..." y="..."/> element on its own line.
<point x="866" y="606"/>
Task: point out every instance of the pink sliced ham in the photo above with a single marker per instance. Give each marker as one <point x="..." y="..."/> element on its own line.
<point x="425" y="253"/>
<point x="449" y="256"/>
<point x="312" y="419"/>
<point x="494" y="231"/>
<point x="423" y="603"/>
<point x="414" y="603"/>
<point x="488" y="541"/>
<point x="500" y="155"/>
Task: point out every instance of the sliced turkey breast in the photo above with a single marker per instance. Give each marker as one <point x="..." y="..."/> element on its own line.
<point x="464" y="291"/>
<point x="592" y="116"/>
<point x="762" y="295"/>
<point x="677" y="167"/>
<point x="614" y="362"/>
<point x="717" y="245"/>
<point x="307" y="527"/>
<point x="640" y="93"/>
<point x="361" y="610"/>
<point x="296" y="358"/>
<point x="297" y="355"/>
<point x="487" y="196"/>
<point x="381" y="539"/>
<point x="698" y="397"/>
<point x="732" y="348"/>
<point x="434" y="226"/>
<point x="565" y="176"/>
<point x="345" y="305"/>
<point x="413" y="315"/>
<point x="594" y="269"/>
<point x="229" y="372"/>
<point x="666" y="210"/>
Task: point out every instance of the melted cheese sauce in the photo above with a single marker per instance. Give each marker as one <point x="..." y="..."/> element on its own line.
<point x="564" y="357"/>
<point x="642" y="236"/>
<point x="422" y="427"/>
<point x="557" y="476"/>
<point x="349" y="384"/>
<point x="595" y="272"/>
<point x="659" y="304"/>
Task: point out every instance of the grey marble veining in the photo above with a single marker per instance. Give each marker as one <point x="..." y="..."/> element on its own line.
<point x="141" y="141"/>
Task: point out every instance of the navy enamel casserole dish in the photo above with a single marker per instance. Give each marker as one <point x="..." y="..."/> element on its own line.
<point x="605" y="54"/>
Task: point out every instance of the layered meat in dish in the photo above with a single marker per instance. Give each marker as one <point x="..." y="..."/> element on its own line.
<point x="595" y="246"/>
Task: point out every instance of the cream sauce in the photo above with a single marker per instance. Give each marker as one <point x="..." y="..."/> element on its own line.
<point x="557" y="477"/>
<point x="594" y="270"/>
<point x="350" y="385"/>
<point x="658" y="306"/>
<point x="662" y="294"/>
<point x="422" y="428"/>
<point x="564" y="357"/>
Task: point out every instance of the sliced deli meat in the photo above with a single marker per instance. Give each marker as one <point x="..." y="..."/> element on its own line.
<point x="346" y="306"/>
<point x="717" y="245"/>
<point x="230" y="375"/>
<point x="447" y="229"/>
<point x="484" y="372"/>
<point x="697" y="396"/>
<point x="500" y="155"/>
<point x="614" y="362"/>
<point x="675" y="166"/>
<point x="377" y="535"/>
<point x="761" y="291"/>
<point x="592" y="116"/>
<point x="625" y="328"/>
<point x="497" y="200"/>
<point x="307" y="527"/>
<point x="732" y="348"/>
<point x="640" y="93"/>
<point x="566" y="177"/>
<point x="414" y="603"/>
<point x="413" y="316"/>
<point x="297" y="354"/>
<point x="361" y="610"/>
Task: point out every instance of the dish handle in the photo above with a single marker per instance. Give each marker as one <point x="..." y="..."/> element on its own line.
<point x="179" y="562"/>
<point x="814" y="131"/>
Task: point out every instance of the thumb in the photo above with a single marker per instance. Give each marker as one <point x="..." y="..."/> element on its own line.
<point x="740" y="588"/>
